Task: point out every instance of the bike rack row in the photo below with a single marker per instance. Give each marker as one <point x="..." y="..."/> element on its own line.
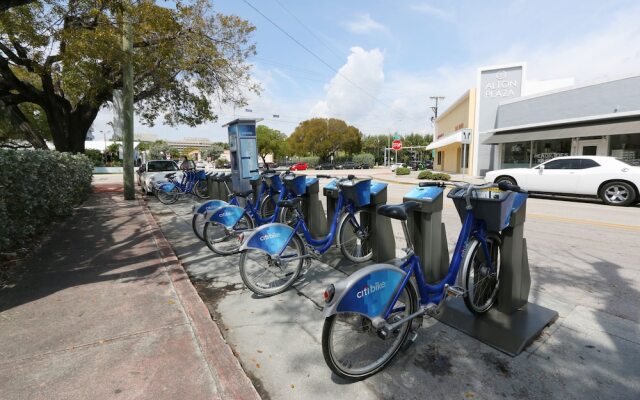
<point x="511" y="325"/>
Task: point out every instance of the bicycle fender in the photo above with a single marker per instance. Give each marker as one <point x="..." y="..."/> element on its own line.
<point x="167" y="187"/>
<point x="227" y="215"/>
<point x="270" y="238"/>
<point x="367" y="291"/>
<point x="208" y="206"/>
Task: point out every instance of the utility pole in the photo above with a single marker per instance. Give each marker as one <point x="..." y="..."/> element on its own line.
<point x="127" y="103"/>
<point x="435" y="108"/>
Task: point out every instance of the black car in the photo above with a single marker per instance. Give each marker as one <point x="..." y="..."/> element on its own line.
<point x="365" y="166"/>
<point x="324" y="166"/>
<point x="348" y="165"/>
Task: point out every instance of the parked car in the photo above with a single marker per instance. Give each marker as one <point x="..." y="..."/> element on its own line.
<point x="301" y="166"/>
<point x="396" y="166"/>
<point x="365" y="166"/>
<point x="200" y="165"/>
<point x="324" y="166"/>
<point x="348" y="165"/>
<point x="612" y="180"/>
<point x="154" y="171"/>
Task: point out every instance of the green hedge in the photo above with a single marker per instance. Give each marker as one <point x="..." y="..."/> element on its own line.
<point x="36" y="188"/>
<point x="434" y="176"/>
<point x="365" y="158"/>
<point x="403" y="171"/>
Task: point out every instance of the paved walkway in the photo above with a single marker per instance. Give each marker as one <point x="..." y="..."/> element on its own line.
<point x="106" y="311"/>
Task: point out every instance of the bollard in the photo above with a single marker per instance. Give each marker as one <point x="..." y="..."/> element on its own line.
<point x="428" y="233"/>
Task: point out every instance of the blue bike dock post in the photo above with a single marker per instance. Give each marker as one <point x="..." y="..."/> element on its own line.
<point x="312" y="209"/>
<point x="513" y="323"/>
<point x="428" y="232"/>
<point x="331" y="193"/>
<point x="380" y="229"/>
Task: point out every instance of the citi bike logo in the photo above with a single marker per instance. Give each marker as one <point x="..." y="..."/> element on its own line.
<point x="225" y="214"/>
<point x="268" y="236"/>
<point x="367" y="290"/>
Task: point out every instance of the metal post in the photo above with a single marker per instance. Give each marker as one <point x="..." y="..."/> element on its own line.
<point x="127" y="97"/>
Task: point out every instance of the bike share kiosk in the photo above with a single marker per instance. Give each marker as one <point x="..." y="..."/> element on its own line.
<point x="244" y="152"/>
<point x="428" y="232"/>
<point x="308" y="188"/>
<point x="513" y="323"/>
<point x="369" y="196"/>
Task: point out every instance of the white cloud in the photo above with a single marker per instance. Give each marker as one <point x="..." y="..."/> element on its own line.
<point x="353" y="92"/>
<point x="365" y="24"/>
<point x="430" y="10"/>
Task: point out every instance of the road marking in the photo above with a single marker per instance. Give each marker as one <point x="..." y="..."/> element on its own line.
<point x="585" y="222"/>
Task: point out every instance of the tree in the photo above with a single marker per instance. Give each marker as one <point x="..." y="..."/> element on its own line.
<point x="65" y="56"/>
<point x="270" y="141"/>
<point x="324" y="138"/>
<point x="24" y="122"/>
<point x="214" y="151"/>
<point x="159" y="149"/>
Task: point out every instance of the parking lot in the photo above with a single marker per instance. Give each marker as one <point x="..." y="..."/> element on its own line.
<point x="584" y="264"/>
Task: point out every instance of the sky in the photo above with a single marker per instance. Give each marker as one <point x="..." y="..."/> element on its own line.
<point x="376" y="63"/>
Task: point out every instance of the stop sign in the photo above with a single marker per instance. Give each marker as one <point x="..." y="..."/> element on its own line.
<point x="396" y="145"/>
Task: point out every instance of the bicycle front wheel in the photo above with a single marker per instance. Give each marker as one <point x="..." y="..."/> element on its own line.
<point x="354" y="349"/>
<point x="354" y="236"/>
<point x="201" y="189"/>
<point x="267" y="275"/>
<point x="225" y="241"/>
<point x="168" y="197"/>
<point x="197" y="224"/>
<point x="481" y="279"/>
<point x="267" y="206"/>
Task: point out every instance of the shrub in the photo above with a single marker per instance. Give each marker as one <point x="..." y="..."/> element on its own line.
<point x="38" y="187"/>
<point x="403" y="171"/>
<point x="95" y="156"/>
<point x="364" y="158"/>
<point x="433" y="176"/>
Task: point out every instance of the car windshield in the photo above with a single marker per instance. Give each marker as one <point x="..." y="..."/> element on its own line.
<point x="158" y="166"/>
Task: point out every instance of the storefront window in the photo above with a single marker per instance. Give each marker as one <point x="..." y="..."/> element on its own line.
<point x="516" y="155"/>
<point x="626" y="148"/>
<point x="544" y="150"/>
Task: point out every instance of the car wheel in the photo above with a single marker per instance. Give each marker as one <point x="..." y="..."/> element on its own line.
<point x="617" y="193"/>
<point x="507" y="179"/>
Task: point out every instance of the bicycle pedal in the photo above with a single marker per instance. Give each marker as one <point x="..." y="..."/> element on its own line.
<point x="413" y="335"/>
<point x="455" y="291"/>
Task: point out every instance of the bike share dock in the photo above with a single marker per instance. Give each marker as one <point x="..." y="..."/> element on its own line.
<point x="512" y="323"/>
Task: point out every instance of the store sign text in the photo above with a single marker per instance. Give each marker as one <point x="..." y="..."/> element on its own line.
<point x="501" y="88"/>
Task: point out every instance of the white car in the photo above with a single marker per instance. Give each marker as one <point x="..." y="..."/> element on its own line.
<point x="155" y="171"/>
<point x="396" y="166"/>
<point x="614" y="181"/>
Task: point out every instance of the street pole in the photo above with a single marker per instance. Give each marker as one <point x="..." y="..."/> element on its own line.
<point x="127" y="106"/>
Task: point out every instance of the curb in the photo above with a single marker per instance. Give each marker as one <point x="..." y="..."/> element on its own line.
<point x="231" y="380"/>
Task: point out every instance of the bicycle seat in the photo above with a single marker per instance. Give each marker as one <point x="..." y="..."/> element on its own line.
<point x="170" y="175"/>
<point x="399" y="211"/>
<point x="290" y="203"/>
<point x="243" y="194"/>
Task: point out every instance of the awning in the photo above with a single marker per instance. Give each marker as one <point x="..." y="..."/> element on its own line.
<point x="601" y="128"/>
<point x="455" y="137"/>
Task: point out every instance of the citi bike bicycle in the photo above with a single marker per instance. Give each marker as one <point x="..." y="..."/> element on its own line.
<point x="368" y="316"/>
<point x="225" y="227"/>
<point x="265" y="199"/>
<point x="192" y="182"/>
<point x="273" y="255"/>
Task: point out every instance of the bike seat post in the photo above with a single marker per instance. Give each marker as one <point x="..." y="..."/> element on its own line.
<point x="407" y="236"/>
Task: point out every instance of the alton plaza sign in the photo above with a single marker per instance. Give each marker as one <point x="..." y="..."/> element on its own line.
<point x="501" y="86"/>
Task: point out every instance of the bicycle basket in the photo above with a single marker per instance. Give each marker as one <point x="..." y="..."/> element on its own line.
<point x="357" y="190"/>
<point x="493" y="207"/>
<point x="274" y="181"/>
<point x="296" y="184"/>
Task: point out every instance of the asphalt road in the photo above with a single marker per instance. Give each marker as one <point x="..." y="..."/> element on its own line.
<point x="584" y="264"/>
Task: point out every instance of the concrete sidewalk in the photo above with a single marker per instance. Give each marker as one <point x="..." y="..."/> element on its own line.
<point x="105" y="310"/>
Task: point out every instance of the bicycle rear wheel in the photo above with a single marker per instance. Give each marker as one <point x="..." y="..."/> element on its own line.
<point x="197" y="224"/>
<point x="201" y="189"/>
<point x="224" y="241"/>
<point x="168" y="197"/>
<point x="354" y="237"/>
<point x="267" y="206"/>
<point x="481" y="281"/>
<point x="353" y="348"/>
<point x="266" y="275"/>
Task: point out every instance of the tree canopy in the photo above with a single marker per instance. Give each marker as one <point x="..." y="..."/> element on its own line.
<point x="324" y="137"/>
<point x="214" y="151"/>
<point x="65" y="56"/>
<point x="270" y="141"/>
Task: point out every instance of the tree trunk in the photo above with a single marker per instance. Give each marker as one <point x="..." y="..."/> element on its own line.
<point x="20" y="122"/>
<point x="69" y="127"/>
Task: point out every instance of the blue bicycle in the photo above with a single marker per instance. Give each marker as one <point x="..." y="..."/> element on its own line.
<point x="273" y="255"/>
<point x="369" y="315"/>
<point x="225" y="227"/>
<point x="192" y="182"/>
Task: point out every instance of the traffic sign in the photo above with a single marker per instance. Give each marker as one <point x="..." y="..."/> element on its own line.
<point x="396" y="145"/>
<point x="396" y="137"/>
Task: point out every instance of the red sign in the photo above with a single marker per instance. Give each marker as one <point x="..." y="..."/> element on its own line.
<point x="396" y="145"/>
